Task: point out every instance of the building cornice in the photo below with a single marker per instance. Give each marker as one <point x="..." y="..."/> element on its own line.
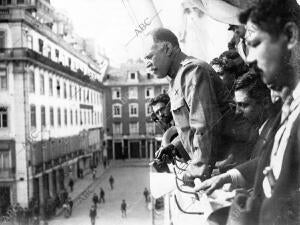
<point x="21" y="16"/>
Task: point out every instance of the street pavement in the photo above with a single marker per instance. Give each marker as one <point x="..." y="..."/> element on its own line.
<point x="131" y="177"/>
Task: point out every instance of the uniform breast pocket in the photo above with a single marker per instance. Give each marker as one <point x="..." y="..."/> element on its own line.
<point x="180" y="113"/>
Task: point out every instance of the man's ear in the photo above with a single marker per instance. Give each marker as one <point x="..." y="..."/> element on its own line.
<point x="291" y="31"/>
<point x="168" y="48"/>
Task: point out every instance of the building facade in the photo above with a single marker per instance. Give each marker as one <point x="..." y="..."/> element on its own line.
<point x="51" y="103"/>
<point x="130" y="131"/>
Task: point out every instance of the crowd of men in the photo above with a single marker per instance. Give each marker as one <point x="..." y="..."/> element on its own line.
<point x="239" y="114"/>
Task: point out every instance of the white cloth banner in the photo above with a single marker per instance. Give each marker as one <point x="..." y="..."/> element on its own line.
<point x="216" y="9"/>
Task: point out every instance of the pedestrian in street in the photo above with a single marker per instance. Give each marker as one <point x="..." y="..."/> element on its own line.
<point x="93" y="214"/>
<point x="71" y="184"/>
<point x="66" y="210"/>
<point x="70" y="202"/>
<point x="146" y="194"/>
<point x="102" y="196"/>
<point x="123" y="208"/>
<point x="111" y="182"/>
<point x="95" y="199"/>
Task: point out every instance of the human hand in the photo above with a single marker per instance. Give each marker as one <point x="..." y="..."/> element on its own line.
<point x="166" y="153"/>
<point x="213" y="183"/>
<point x="195" y="171"/>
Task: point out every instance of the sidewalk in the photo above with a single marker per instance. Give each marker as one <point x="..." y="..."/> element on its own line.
<point x="82" y="187"/>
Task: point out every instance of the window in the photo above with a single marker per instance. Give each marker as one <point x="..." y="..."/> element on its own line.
<point x="83" y="96"/>
<point x="51" y="117"/>
<point x="31" y="82"/>
<point x="50" y="87"/>
<point x="132" y="76"/>
<point x="41" y="46"/>
<point x="75" y="93"/>
<point x="134" y="128"/>
<point x="57" y="55"/>
<point x="117" y="128"/>
<point x="3" y="117"/>
<point x="33" y="116"/>
<point x="3" y="79"/>
<point x="87" y="96"/>
<point x="29" y="41"/>
<point x="85" y="120"/>
<point x="89" y="121"/>
<point x="79" y="90"/>
<point x="133" y="109"/>
<point x="20" y="1"/>
<point x="4" y="159"/>
<point x="117" y="110"/>
<point x="70" y="91"/>
<point x="43" y="116"/>
<point x="164" y="89"/>
<point x="58" y="88"/>
<point x="58" y="117"/>
<point x="69" y="62"/>
<point x="149" y="92"/>
<point x="71" y="117"/>
<point x="76" y="117"/>
<point x="66" y="117"/>
<point x="49" y="52"/>
<point x="133" y="93"/>
<point x="116" y="93"/>
<point x="150" y="128"/>
<point x="81" y="122"/>
<point x="2" y="39"/>
<point x="42" y="85"/>
<point x="148" y="109"/>
<point x="65" y="90"/>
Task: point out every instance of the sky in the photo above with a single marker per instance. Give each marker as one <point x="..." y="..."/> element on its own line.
<point x="108" y="21"/>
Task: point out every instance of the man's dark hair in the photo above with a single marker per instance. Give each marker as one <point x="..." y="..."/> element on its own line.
<point x="163" y="34"/>
<point x="163" y="98"/>
<point x="272" y="15"/>
<point x="252" y="83"/>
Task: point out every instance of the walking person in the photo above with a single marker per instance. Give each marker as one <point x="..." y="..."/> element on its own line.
<point x="123" y="208"/>
<point x="111" y="182"/>
<point x="102" y="196"/>
<point x="146" y="194"/>
<point x="71" y="184"/>
<point x="70" y="202"/>
<point x="95" y="199"/>
<point x="94" y="174"/>
<point x="93" y="214"/>
<point x="66" y="209"/>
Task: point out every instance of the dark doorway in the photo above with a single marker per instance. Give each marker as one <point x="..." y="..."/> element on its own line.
<point x="134" y="149"/>
<point x="118" y="150"/>
<point x="4" y="200"/>
<point x="143" y="149"/>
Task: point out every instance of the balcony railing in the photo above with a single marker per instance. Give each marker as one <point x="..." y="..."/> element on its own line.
<point x="7" y="173"/>
<point x="30" y="55"/>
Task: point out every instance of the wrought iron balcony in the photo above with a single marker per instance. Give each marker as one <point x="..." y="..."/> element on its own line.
<point x="26" y="54"/>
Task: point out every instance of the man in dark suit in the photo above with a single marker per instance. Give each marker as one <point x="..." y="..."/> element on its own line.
<point x="273" y="35"/>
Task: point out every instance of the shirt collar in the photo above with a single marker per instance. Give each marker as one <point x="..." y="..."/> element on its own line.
<point x="177" y="63"/>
